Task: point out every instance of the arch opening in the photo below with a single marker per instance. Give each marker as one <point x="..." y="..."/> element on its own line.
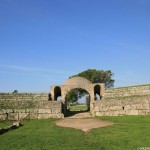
<point x="57" y="93"/>
<point x="77" y="101"/>
<point x="97" y="94"/>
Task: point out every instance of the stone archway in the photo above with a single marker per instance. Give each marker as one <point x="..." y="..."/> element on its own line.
<point x="78" y="83"/>
<point x="77" y="108"/>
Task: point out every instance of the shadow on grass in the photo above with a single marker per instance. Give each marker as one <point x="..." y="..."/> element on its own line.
<point x="73" y="113"/>
<point x="9" y="128"/>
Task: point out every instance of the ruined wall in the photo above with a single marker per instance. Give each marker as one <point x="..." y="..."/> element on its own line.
<point x="24" y="96"/>
<point x="28" y="106"/>
<point x="127" y="91"/>
<point x="124" y="101"/>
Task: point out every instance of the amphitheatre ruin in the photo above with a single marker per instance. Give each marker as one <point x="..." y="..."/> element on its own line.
<point x="133" y="100"/>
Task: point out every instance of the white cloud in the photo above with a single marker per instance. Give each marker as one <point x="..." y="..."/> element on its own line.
<point x="34" y="70"/>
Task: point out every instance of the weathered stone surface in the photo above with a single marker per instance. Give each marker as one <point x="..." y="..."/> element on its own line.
<point x="115" y="108"/>
<point x="124" y="101"/>
<point x="115" y="102"/>
<point x="44" y="116"/>
<point x="25" y="109"/>
<point x="132" y="112"/>
<point x="33" y="115"/>
<point x="13" y="116"/>
<point x="143" y="112"/>
<point x="128" y="91"/>
<point x="3" y="117"/>
<point x="3" y="111"/>
<point x="99" y="114"/>
<point x="45" y="111"/>
<point x="109" y="113"/>
<point x="23" y="116"/>
<point x="19" y="111"/>
<point x="127" y="107"/>
<point x="33" y="111"/>
<point x="56" y="111"/>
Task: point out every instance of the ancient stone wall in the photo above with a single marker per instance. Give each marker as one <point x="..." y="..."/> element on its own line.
<point x="127" y="91"/>
<point x="118" y="101"/>
<point x="28" y="106"/>
<point x="124" y="101"/>
<point x="24" y="96"/>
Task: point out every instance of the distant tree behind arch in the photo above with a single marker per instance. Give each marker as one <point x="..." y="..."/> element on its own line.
<point x="98" y="76"/>
<point x="75" y="94"/>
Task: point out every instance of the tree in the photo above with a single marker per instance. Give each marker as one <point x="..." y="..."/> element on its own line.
<point x="98" y="76"/>
<point x="15" y="91"/>
<point x="75" y="94"/>
<point x="72" y="96"/>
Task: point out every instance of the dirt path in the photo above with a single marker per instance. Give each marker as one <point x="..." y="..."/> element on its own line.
<point x="83" y="124"/>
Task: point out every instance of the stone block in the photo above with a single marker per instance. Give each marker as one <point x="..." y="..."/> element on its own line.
<point x="23" y="116"/>
<point x="33" y="115"/>
<point x="127" y="107"/>
<point x="144" y="112"/>
<point x="114" y="108"/>
<point x="56" y="111"/>
<point x="44" y="116"/>
<point x="13" y="116"/>
<point x="44" y="111"/>
<point x="143" y="106"/>
<point x="139" y="106"/>
<point x="19" y="111"/>
<point x="131" y="112"/>
<point x="100" y="107"/>
<point x="121" y="112"/>
<point x="3" y="117"/>
<point x="56" y="105"/>
<point x="57" y="116"/>
<point x="99" y="113"/>
<point x="27" y="110"/>
<point x="9" y="110"/>
<point x="105" y="108"/>
<point x="146" y="91"/>
<point x="116" y="113"/>
<point x="96" y="108"/>
<point x="3" y="111"/>
<point x="109" y="113"/>
<point x="34" y="110"/>
<point x="49" y="106"/>
<point x="134" y="106"/>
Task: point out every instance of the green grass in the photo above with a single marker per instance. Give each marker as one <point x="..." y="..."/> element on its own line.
<point x="5" y="124"/>
<point x="28" y="104"/>
<point x="78" y="107"/>
<point x="130" y="132"/>
<point x="132" y="86"/>
<point x="129" y="97"/>
<point x="127" y="119"/>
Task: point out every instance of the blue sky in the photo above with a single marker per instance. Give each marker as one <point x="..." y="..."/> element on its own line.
<point x="43" y="42"/>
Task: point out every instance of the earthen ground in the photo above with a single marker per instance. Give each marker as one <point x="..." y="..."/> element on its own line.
<point x="83" y="124"/>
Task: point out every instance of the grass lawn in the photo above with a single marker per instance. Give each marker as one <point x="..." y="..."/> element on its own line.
<point x="78" y="107"/>
<point x="131" y="132"/>
<point x="5" y="124"/>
